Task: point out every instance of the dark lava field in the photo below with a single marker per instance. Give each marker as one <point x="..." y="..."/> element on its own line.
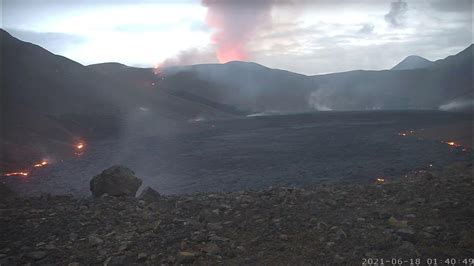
<point x="261" y="151"/>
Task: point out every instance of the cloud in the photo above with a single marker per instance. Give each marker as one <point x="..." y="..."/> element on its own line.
<point x="395" y="16"/>
<point x="367" y="28"/>
<point x="452" y="6"/>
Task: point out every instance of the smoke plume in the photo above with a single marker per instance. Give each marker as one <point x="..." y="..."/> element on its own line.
<point x="235" y="23"/>
<point x="190" y="57"/>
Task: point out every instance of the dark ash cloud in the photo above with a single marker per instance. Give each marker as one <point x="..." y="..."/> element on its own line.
<point x="396" y="14"/>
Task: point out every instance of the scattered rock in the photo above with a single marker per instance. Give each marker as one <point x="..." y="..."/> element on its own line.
<point x="338" y="259"/>
<point x="323" y="225"/>
<point x="407" y="234"/>
<point x="73" y="236"/>
<point x="397" y="223"/>
<point x="214" y="226"/>
<point x="211" y="248"/>
<point x="149" y="195"/>
<point x="36" y="255"/>
<point x="186" y="257"/>
<point x="142" y="257"/>
<point x="115" y="260"/>
<point x="115" y="181"/>
<point x="95" y="240"/>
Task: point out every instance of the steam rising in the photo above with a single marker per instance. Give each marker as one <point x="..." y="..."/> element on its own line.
<point x="235" y="24"/>
<point x="458" y="105"/>
<point x="318" y="100"/>
<point x="190" y="57"/>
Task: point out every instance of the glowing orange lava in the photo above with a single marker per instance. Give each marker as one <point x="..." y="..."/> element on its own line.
<point x="80" y="146"/>
<point x="41" y="164"/>
<point x="452" y="143"/>
<point x="157" y="69"/>
<point x="16" y="174"/>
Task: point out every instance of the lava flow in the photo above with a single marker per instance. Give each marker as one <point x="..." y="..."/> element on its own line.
<point x="406" y="133"/>
<point x="16" y="174"/>
<point x="79" y="148"/>
<point x="41" y="164"/>
<point x="452" y="143"/>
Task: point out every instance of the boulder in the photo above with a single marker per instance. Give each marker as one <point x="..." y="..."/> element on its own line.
<point x="149" y="195"/>
<point x="115" y="181"/>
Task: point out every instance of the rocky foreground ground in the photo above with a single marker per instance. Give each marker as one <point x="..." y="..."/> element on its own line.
<point x="425" y="214"/>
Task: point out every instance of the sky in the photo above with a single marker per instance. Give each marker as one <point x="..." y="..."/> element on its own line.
<point x="304" y="36"/>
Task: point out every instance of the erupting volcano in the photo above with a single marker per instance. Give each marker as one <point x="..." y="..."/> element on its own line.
<point x="235" y="24"/>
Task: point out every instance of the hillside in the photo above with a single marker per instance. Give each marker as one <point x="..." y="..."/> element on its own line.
<point x="415" y="83"/>
<point x="255" y="88"/>
<point x="445" y="81"/>
<point x="413" y="62"/>
<point x="327" y="224"/>
<point x="50" y="102"/>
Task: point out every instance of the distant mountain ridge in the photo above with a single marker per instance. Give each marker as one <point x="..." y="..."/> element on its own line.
<point x="255" y="88"/>
<point x="413" y="62"/>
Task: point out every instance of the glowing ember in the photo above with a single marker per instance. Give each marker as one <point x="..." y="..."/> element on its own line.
<point x="380" y="181"/>
<point x="80" y="146"/>
<point x="157" y="69"/>
<point x="451" y="143"/>
<point x="16" y="174"/>
<point x="41" y="164"/>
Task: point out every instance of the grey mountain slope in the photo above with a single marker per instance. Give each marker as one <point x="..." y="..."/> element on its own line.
<point x="413" y="62"/>
<point x="256" y="88"/>
<point x="49" y="101"/>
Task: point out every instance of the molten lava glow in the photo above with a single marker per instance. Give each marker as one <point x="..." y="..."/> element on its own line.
<point x="231" y="53"/>
<point x="80" y="146"/>
<point x="157" y="69"/>
<point x="451" y="143"/>
<point x="16" y="174"/>
<point x="41" y="164"/>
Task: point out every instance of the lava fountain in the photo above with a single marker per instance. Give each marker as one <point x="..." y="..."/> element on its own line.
<point x="40" y="164"/>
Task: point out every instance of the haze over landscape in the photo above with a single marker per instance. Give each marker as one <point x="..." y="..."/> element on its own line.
<point x="209" y="132"/>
